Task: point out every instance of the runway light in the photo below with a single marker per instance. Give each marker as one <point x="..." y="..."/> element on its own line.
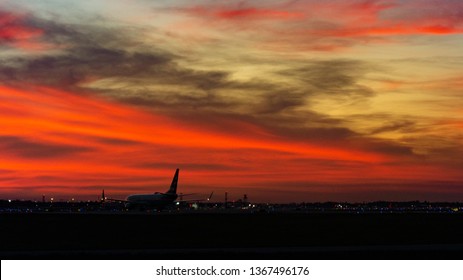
<point x="9" y="200"/>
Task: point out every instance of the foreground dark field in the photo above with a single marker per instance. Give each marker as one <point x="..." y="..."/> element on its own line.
<point x="232" y="235"/>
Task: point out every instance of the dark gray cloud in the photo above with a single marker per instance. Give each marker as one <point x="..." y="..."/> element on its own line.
<point x="114" y="141"/>
<point x="31" y="149"/>
<point x="93" y="52"/>
<point x="385" y="147"/>
<point x="335" y="77"/>
<point x="79" y="64"/>
<point x="153" y="78"/>
<point x="278" y="101"/>
<point x="308" y="126"/>
<point x="404" y="126"/>
<point x="78" y="52"/>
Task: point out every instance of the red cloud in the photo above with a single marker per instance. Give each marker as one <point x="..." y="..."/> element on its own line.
<point x="14" y="32"/>
<point x="75" y="140"/>
<point x="332" y="25"/>
<point x="256" y="13"/>
<point x="366" y="19"/>
<point x="228" y="13"/>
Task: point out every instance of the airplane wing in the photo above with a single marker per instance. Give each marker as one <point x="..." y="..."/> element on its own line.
<point x="197" y="200"/>
<point x="116" y="200"/>
<point x="106" y="199"/>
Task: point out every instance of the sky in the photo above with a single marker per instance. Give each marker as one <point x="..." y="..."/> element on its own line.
<point x="285" y="101"/>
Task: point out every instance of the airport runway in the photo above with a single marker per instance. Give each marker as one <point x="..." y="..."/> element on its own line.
<point x="232" y="235"/>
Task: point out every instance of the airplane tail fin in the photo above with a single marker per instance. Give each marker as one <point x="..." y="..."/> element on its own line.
<point x="173" y="185"/>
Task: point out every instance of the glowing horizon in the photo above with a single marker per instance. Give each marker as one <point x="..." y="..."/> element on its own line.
<point x="283" y="101"/>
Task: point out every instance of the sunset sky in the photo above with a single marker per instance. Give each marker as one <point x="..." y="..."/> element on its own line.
<point x="285" y="101"/>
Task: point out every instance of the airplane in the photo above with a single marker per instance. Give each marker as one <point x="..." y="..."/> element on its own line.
<point x="156" y="200"/>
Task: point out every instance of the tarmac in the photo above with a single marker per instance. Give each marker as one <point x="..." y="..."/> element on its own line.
<point x="231" y="236"/>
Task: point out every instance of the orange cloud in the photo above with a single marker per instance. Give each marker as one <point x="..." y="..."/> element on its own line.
<point x="68" y="144"/>
<point x="54" y="110"/>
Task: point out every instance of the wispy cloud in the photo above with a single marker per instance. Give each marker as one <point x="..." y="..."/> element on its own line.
<point x="265" y="102"/>
<point x="22" y="147"/>
<point x="16" y="32"/>
<point x="330" y="25"/>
